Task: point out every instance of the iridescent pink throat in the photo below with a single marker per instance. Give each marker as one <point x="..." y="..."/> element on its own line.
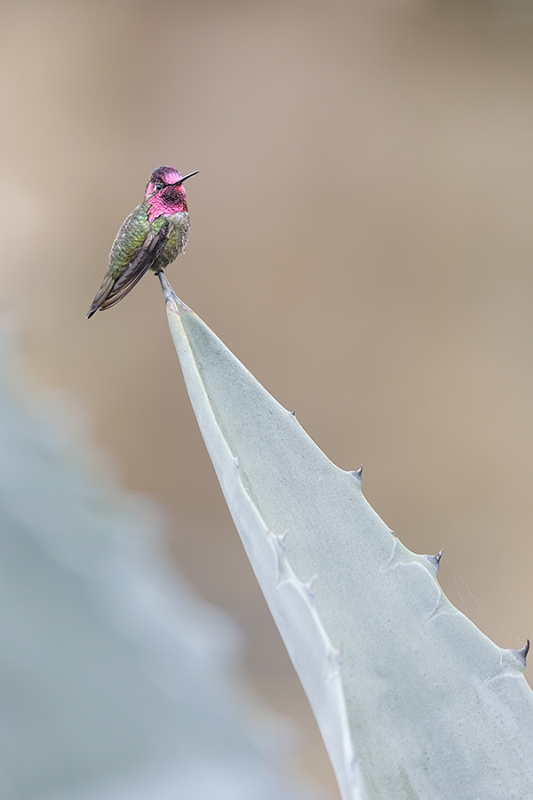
<point x="168" y="201"/>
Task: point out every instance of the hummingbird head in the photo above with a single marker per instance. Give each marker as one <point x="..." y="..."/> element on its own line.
<point x="165" y="193"/>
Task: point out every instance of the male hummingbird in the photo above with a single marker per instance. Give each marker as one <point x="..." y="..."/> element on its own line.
<point x="153" y="235"/>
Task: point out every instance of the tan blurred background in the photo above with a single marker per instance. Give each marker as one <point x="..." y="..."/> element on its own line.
<point x="361" y="239"/>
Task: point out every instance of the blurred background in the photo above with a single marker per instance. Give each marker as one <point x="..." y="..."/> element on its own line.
<point x="361" y="239"/>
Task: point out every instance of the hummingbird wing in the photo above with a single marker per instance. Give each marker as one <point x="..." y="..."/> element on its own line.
<point x="112" y="289"/>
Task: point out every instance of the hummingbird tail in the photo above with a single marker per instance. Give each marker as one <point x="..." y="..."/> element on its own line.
<point x="113" y="289"/>
<point x="101" y="295"/>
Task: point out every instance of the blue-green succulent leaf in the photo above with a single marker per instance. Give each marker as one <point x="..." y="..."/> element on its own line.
<point x="116" y="680"/>
<point x="413" y="701"/>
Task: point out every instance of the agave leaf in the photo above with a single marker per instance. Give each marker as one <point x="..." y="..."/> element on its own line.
<point x="116" y="680"/>
<point x="413" y="701"/>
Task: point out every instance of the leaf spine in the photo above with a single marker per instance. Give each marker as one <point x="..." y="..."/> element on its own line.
<point x="521" y="655"/>
<point x="309" y="587"/>
<point x="334" y="663"/>
<point x="435" y="560"/>
<point x="283" y="570"/>
<point x="281" y="537"/>
<point x="358" y="473"/>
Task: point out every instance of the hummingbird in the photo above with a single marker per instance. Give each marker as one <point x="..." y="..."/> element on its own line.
<point x="153" y="235"/>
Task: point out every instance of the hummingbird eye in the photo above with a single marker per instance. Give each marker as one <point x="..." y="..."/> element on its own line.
<point x="158" y="186"/>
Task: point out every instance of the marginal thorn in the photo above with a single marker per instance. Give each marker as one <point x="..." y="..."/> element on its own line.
<point x="334" y="663"/>
<point x="521" y="655"/>
<point x="281" y="537"/>
<point x="283" y="572"/>
<point x="358" y="473"/>
<point x="309" y="587"/>
<point x="293" y="413"/>
<point x="435" y="560"/>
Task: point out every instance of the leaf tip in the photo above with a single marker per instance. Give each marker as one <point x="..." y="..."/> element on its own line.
<point x="171" y="298"/>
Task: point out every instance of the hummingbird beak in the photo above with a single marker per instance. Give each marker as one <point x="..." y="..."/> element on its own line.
<point x="188" y="176"/>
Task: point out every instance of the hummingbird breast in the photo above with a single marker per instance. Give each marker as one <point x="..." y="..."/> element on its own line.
<point x="178" y="233"/>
